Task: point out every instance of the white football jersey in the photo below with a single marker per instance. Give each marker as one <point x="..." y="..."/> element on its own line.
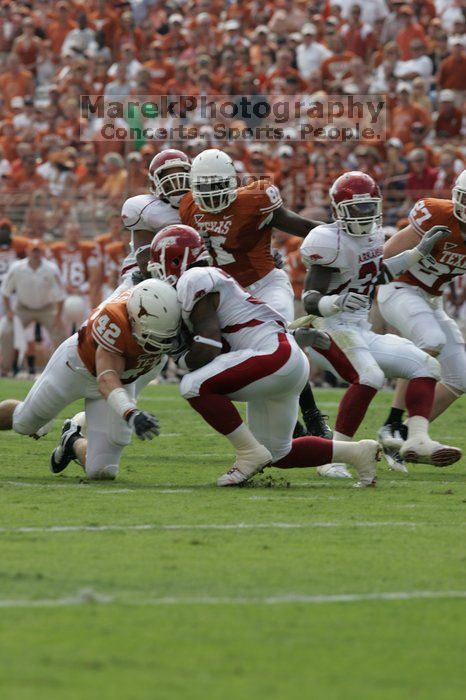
<point x="245" y="321"/>
<point x="356" y="261"/>
<point x="145" y="212"/>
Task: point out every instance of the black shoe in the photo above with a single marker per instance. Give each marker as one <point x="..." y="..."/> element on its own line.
<point x="392" y="435"/>
<point x="64" y="453"/>
<point x="316" y="425"/>
<point x="299" y="430"/>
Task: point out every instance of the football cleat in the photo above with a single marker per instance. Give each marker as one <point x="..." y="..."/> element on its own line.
<point x="64" y="453"/>
<point x="299" y="430"/>
<point x="334" y="471"/>
<point x="392" y="435"/>
<point x="426" y="451"/>
<point x="365" y="463"/>
<point x="316" y="424"/>
<point x="245" y="467"/>
<point x="394" y="460"/>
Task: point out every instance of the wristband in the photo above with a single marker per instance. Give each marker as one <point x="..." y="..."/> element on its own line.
<point x="326" y="305"/>
<point x="121" y="403"/>
<point x="208" y="341"/>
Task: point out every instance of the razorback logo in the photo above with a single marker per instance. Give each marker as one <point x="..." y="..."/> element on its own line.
<point x="315" y="256"/>
<point x="200" y="293"/>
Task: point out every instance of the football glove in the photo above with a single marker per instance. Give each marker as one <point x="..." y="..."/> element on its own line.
<point x="312" y="338"/>
<point x="144" y="424"/>
<point x="431" y="237"/>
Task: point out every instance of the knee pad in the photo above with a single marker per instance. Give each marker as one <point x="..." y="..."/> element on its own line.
<point x="106" y="473"/>
<point x="372" y="376"/>
<point x="433" y="367"/>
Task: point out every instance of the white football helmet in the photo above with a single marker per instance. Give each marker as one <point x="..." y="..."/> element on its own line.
<point x="213" y="180"/>
<point x="74" y="309"/>
<point x="458" y="195"/>
<point x="154" y="314"/>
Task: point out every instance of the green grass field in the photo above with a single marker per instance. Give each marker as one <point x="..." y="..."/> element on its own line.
<point x="162" y="586"/>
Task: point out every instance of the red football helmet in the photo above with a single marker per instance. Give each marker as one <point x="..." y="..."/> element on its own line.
<point x="356" y="203"/>
<point x="169" y="174"/>
<point x="173" y="250"/>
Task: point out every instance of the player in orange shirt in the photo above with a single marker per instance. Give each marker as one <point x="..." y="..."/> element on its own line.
<point x="122" y="340"/>
<point x="419" y="291"/>
<point x="236" y="224"/>
<point x="15" y="81"/>
<point x="80" y="265"/>
<point x="114" y="255"/>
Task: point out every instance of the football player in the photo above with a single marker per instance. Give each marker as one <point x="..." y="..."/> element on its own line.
<point x="240" y="350"/>
<point x="122" y="340"/>
<point x="80" y="264"/>
<point x="236" y="224"/>
<point x="145" y="214"/>
<point x="345" y="264"/>
<point x="413" y="303"/>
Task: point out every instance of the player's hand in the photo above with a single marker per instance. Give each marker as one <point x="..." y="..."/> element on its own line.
<point x="351" y="301"/>
<point x="278" y="259"/>
<point x="431" y="237"/>
<point x="144" y="424"/>
<point x="312" y="338"/>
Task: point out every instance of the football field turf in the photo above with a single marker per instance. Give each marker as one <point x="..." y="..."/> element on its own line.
<point x="162" y="586"/>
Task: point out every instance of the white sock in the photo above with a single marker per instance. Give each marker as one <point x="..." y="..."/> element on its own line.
<point x="345" y="451"/>
<point x="418" y="427"/>
<point x="243" y="440"/>
<point x="341" y="437"/>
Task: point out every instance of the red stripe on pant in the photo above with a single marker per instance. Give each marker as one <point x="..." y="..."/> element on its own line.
<point x="356" y="400"/>
<point x="218" y="410"/>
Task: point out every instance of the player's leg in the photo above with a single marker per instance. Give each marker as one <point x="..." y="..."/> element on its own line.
<point x="399" y="357"/>
<point x="452" y="364"/>
<point x="420" y="326"/>
<point x="57" y="387"/>
<point x="95" y="444"/>
<point x="276" y="290"/>
<point x="7" y="346"/>
<point x="349" y="358"/>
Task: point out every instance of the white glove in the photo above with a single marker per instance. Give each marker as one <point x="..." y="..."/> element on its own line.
<point x="350" y="301"/>
<point x="431" y="237"/>
<point x="313" y="338"/>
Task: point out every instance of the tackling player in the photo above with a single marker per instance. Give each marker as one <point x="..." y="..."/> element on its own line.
<point x="236" y="224"/>
<point x="345" y="264"/>
<point x="413" y="303"/>
<point x="122" y="340"/>
<point x="240" y="351"/>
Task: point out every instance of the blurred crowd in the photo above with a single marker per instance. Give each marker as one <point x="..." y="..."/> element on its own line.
<point x="52" y="52"/>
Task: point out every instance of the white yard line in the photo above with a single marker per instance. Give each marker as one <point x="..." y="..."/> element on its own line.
<point x="208" y="526"/>
<point x="90" y="597"/>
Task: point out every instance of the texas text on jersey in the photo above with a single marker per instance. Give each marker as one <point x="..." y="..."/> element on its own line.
<point x="109" y="327"/>
<point x="448" y="258"/>
<point x="239" y="236"/>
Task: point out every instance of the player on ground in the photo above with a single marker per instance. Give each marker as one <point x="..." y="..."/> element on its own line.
<point x="413" y="301"/>
<point x="236" y="224"/>
<point x="345" y="264"/>
<point x="122" y="340"/>
<point x="240" y="351"/>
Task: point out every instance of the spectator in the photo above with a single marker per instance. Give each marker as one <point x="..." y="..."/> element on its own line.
<point x="421" y="178"/>
<point x="80" y="39"/>
<point x="129" y="61"/>
<point x="15" y="81"/>
<point x="310" y="53"/>
<point x="449" y="119"/>
<point x="359" y="36"/>
<point x="410" y="30"/>
<point x="405" y="113"/>
<point x="453" y="68"/>
<point x="27" y="45"/>
<point x="419" y="65"/>
<point x="115" y="182"/>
